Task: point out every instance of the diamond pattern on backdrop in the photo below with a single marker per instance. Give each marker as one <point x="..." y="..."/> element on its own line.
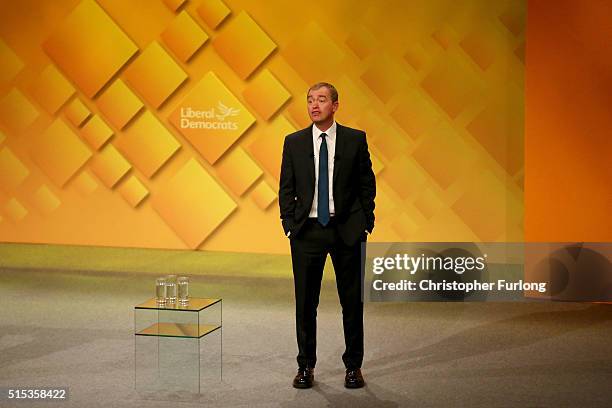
<point x="184" y="110"/>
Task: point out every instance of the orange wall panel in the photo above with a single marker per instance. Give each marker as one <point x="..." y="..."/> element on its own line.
<point x="568" y="129"/>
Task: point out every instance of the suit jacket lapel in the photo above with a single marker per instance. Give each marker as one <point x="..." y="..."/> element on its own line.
<point x="339" y="149"/>
<point x="308" y="149"/>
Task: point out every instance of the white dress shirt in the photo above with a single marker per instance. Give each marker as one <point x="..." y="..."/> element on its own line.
<point x="330" y="139"/>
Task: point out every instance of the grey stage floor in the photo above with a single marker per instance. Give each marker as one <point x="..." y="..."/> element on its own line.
<point x="75" y="329"/>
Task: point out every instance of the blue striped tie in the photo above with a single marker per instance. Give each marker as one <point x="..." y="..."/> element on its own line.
<point x="323" y="185"/>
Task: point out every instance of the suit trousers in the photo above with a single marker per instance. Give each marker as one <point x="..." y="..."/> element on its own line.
<point x="309" y="250"/>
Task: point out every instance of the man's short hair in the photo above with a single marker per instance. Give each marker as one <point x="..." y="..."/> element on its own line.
<point x="332" y="89"/>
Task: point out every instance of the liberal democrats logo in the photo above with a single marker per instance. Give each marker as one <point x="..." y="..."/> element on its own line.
<point x="218" y="117"/>
<point x="211" y="118"/>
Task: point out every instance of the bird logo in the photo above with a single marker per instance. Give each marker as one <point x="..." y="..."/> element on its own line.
<point x="225" y="111"/>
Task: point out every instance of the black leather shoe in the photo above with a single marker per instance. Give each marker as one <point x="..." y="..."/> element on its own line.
<point x="304" y="378"/>
<point x="353" y="379"/>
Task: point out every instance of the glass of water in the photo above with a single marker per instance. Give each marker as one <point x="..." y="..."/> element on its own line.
<point x="183" y="290"/>
<point x="171" y="288"/>
<point x="160" y="290"/>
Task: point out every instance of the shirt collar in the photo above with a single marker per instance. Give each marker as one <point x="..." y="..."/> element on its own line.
<point x="331" y="132"/>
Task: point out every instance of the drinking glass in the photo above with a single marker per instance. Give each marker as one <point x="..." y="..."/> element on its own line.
<point x="171" y="288"/>
<point x="183" y="290"/>
<point x="160" y="290"/>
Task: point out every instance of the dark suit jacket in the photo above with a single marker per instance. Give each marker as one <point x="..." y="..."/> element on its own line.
<point x="354" y="183"/>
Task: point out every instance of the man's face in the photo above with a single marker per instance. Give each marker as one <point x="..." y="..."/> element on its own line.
<point x="320" y="106"/>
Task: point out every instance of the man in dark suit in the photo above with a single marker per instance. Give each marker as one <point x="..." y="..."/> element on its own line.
<point x="326" y="198"/>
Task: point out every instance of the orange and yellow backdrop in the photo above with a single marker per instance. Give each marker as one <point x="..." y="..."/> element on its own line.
<point x="96" y="146"/>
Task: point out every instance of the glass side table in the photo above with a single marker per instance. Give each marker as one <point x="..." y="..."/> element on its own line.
<point x="178" y="349"/>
